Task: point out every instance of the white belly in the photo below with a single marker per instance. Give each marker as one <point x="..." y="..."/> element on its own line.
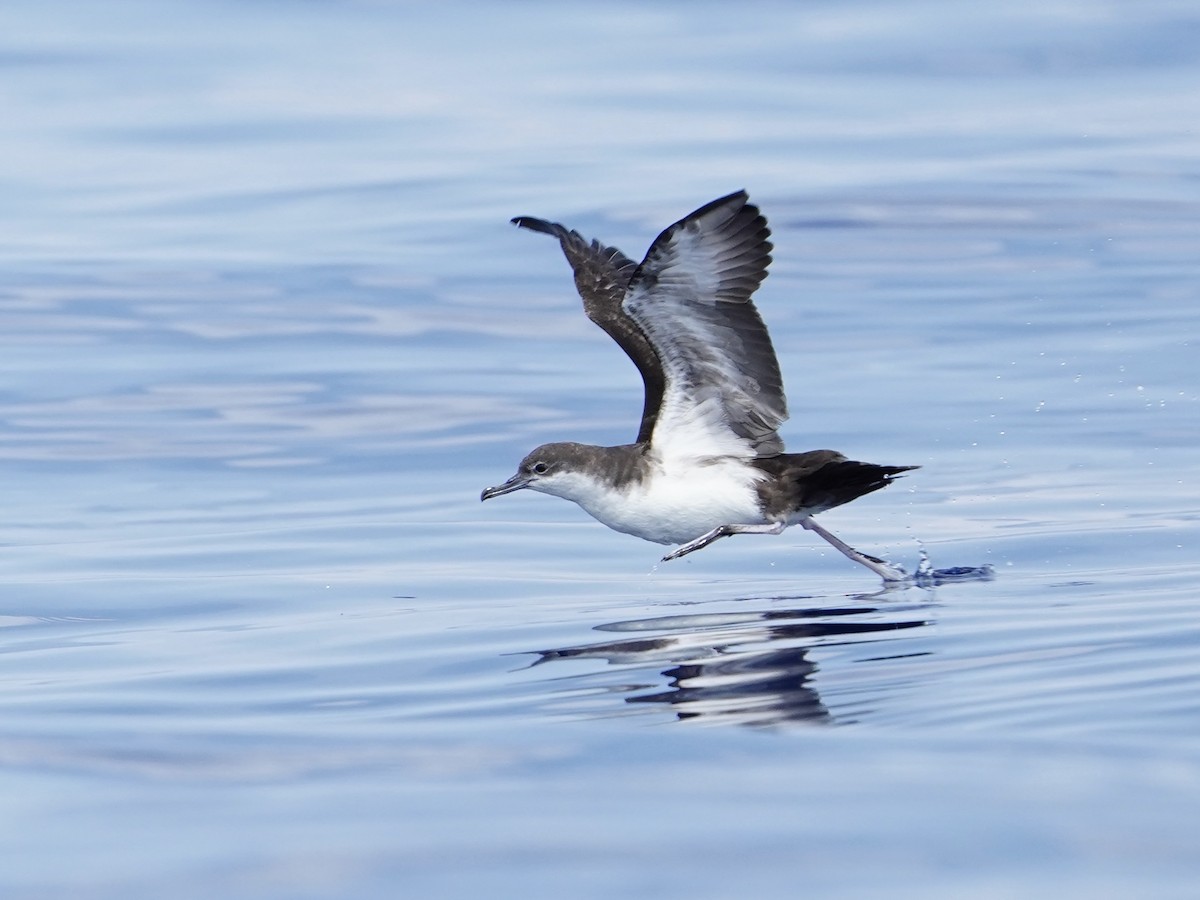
<point x="670" y="508"/>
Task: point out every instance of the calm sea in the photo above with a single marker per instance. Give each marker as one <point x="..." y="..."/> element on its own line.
<point x="265" y="333"/>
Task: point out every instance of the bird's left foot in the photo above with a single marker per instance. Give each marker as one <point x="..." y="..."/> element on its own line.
<point x="723" y="531"/>
<point x="698" y="544"/>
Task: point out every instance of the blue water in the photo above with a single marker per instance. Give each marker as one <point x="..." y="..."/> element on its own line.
<point x="265" y="334"/>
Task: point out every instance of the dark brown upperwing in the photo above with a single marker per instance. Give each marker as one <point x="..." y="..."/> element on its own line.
<point x="602" y="275"/>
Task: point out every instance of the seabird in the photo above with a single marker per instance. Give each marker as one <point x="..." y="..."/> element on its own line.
<point x="708" y="461"/>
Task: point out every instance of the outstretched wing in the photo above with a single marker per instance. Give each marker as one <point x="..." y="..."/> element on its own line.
<point x="691" y="299"/>
<point x="602" y="276"/>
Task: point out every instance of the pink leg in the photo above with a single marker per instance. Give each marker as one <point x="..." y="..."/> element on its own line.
<point x="885" y="570"/>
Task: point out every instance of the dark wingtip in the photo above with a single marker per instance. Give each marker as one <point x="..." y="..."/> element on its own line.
<point x="535" y="224"/>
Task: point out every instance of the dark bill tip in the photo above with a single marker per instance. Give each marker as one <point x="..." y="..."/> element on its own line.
<point x="513" y="484"/>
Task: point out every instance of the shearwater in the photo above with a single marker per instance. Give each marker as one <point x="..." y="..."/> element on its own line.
<point x="708" y="461"/>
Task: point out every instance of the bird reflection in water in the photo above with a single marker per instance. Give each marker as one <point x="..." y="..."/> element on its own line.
<point x="749" y="668"/>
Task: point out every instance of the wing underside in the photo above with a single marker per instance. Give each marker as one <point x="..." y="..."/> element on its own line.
<point x="685" y="319"/>
<point x="691" y="298"/>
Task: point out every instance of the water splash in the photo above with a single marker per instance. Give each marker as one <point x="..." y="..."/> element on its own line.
<point x="927" y="576"/>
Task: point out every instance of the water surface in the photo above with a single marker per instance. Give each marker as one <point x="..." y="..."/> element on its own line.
<point x="266" y="334"/>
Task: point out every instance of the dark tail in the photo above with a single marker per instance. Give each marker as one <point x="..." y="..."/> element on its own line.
<point x="820" y="480"/>
<point x="836" y="483"/>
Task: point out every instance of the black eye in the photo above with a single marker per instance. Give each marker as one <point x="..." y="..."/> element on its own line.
<point x="540" y="468"/>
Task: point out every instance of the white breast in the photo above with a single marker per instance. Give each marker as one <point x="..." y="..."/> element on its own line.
<point x="679" y="504"/>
